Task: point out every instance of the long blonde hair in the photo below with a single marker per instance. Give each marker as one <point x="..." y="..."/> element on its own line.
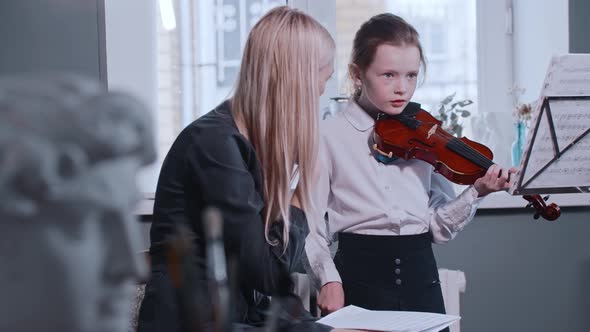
<point x="276" y="102"/>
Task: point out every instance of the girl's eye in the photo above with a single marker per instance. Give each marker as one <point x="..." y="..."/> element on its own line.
<point x="413" y="75"/>
<point x="388" y="75"/>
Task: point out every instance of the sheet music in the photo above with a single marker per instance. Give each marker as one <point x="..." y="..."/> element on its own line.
<point x="571" y="118"/>
<point x="353" y="317"/>
<point x="568" y="75"/>
<point x="568" y="78"/>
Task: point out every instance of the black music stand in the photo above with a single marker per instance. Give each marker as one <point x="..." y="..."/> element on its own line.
<point x="556" y="158"/>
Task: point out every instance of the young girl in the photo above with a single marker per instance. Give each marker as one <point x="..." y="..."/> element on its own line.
<point x="386" y="213"/>
<point x="240" y="158"/>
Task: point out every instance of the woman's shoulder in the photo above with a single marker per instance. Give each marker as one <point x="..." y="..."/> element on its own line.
<point x="216" y="123"/>
<point x="215" y="133"/>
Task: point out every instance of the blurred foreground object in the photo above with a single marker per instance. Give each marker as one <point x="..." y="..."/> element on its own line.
<point x="69" y="154"/>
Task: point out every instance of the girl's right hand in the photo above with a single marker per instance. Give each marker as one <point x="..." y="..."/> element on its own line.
<point x="331" y="297"/>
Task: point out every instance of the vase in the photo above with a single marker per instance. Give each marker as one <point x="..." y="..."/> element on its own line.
<point x="519" y="141"/>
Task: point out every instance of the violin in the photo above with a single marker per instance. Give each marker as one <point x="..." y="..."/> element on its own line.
<point x="416" y="134"/>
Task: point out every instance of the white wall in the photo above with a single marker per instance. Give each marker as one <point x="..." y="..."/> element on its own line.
<point x="540" y="31"/>
<point x="494" y="44"/>
<point x="131" y="42"/>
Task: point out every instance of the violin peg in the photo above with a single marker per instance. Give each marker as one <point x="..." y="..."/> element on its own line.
<point x="536" y="216"/>
<point x="546" y="198"/>
<point x="529" y="205"/>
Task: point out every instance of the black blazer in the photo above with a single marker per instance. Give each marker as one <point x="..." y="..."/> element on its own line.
<point x="212" y="164"/>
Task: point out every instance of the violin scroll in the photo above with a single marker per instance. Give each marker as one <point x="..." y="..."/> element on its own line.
<point x="549" y="212"/>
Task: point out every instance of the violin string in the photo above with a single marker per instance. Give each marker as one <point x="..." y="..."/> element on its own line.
<point x="465" y="150"/>
<point x="470" y="153"/>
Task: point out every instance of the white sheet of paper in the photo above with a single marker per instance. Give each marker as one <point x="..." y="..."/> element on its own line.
<point x="353" y="317"/>
<point x="568" y="75"/>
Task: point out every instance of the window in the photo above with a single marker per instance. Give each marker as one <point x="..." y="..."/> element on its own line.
<point x="437" y="40"/>
<point x="198" y="61"/>
<point x="182" y="71"/>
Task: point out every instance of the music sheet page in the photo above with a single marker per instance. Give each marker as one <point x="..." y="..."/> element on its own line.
<point x="568" y="77"/>
<point x="353" y="317"/>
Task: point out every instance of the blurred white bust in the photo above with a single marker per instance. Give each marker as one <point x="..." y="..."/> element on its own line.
<point x="69" y="242"/>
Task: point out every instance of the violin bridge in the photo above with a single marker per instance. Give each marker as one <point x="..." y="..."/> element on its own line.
<point x="432" y="131"/>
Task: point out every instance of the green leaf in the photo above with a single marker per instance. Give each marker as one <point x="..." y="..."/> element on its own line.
<point x="465" y="102"/>
<point x="448" y="99"/>
<point x="453" y="116"/>
<point x="465" y="113"/>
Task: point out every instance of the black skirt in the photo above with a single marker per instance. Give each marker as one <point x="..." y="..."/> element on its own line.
<point x="389" y="272"/>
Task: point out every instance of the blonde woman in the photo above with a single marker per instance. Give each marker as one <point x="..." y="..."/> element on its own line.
<point x="240" y="158"/>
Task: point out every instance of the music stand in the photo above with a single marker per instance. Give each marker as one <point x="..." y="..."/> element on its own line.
<point x="556" y="157"/>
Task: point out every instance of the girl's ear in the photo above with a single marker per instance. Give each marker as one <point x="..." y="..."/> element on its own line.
<point x="355" y="75"/>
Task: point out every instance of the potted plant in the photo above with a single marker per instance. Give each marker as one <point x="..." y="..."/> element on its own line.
<point x="451" y="113"/>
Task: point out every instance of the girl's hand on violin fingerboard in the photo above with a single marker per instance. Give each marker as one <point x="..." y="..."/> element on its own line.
<point x="495" y="179"/>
